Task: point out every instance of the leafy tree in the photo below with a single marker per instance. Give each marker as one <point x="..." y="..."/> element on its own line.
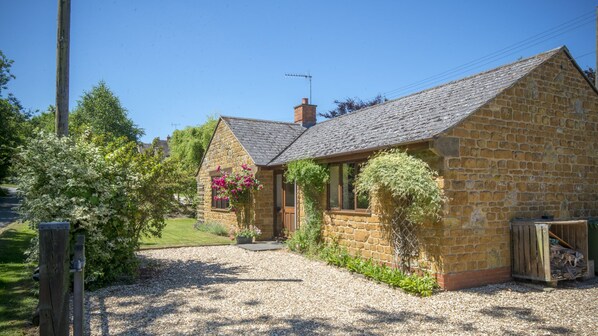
<point x="12" y="118"/>
<point x="100" y="111"/>
<point x="111" y="193"/>
<point x="45" y="121"/>
<point x="591" y="74"/>
<point x="350" y="105"/>
<point x="187" y="147"/>
<point x="189" y="144"/>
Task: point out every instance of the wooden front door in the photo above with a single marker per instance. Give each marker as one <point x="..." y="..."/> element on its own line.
<point x="284" y="206"/>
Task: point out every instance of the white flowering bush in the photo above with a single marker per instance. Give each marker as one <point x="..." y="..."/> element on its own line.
<point x="111" y="193"/>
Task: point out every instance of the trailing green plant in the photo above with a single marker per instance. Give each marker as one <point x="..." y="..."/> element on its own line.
<point x="113" y="194"/>
<point x="311" y="179"/>
<point x="408" y="195"/>
<point x="214" y="228"/>
<point x="335" y="255"/>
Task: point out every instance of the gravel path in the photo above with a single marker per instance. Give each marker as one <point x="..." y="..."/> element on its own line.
<point x="226" y="290"/>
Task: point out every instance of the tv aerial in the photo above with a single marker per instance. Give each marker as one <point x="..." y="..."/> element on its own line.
<point x="307" y="76"/>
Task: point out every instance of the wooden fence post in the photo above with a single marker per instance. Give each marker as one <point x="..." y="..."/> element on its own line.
<point x="54" y="279"/>
<point x="79" y="285"/>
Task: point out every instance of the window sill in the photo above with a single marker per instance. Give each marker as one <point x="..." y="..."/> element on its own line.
<point x="349" y="212"/>
<point x="219" y="210"/>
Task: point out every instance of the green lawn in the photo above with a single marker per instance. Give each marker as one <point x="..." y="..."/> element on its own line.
<point x="180" y="232"/>
<point x="17" y="302"/>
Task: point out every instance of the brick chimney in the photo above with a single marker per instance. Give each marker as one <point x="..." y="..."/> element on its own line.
<point x="305" y="114"/>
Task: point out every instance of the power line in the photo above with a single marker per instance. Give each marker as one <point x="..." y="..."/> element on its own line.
<point x="499" y="54"/>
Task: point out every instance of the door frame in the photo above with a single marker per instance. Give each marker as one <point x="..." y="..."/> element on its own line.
<point x="280" y="213"/>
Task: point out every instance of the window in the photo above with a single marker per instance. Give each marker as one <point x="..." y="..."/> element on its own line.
<point x="341" y="189"/>
<point x="218" y="204"/>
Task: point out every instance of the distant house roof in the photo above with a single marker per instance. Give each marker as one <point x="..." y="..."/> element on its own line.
<point x="413" y="118"/>
<point x="262" y="139"/>
<point x="162" y="143"/>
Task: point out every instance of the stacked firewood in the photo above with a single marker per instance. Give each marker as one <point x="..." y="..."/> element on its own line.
<point x="565" y="263"/>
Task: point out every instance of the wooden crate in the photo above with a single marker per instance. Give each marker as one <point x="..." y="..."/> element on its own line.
<point x="531" y="247"/>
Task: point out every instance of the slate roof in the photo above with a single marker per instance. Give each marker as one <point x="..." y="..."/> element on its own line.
<point x="416" y="117"/>
<point x="263" y="139"/>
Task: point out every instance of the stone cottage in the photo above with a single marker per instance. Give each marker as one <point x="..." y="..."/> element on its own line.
<point x="518" y="141"/>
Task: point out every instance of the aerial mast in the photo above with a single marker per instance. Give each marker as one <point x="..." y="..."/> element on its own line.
<point x="307" y="76"/>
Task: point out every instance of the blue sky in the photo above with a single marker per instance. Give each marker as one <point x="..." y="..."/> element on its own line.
<point x="176" y="62"/>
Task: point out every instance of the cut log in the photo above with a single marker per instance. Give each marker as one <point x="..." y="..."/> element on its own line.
<point x="566" y="263"/>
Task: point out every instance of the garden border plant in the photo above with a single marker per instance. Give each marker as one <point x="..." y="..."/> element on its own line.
<point x="338" y="256"/>
<point x="311" y="178"/>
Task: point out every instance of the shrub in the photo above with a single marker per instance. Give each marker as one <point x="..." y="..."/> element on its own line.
<point x="213" y="228"/>
<point x="112" y="194"/>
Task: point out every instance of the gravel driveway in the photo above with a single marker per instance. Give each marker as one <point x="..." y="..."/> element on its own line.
<point x="226" y="290"/>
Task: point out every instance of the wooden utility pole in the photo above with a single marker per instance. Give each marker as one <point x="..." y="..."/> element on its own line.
<point x="62" y="67"/>
<point x="54" y="279"/>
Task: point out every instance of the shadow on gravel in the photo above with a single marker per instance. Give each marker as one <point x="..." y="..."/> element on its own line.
<point x="527" y="315"/>
<point x="158" y="279"/>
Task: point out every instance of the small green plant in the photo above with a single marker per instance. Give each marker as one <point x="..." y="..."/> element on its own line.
<point x="311" y="178"/>
<point x="335" y="255"/>
<point x="213" y="228"/>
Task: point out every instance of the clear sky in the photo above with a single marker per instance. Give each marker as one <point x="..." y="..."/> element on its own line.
<point x="176" y="62"/>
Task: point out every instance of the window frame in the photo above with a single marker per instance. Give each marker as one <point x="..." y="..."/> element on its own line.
<point x="224" y="207"/>
<point x="339" y="189"/>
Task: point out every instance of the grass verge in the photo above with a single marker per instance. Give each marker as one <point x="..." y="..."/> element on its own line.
<point x="17" y="301"/>
<point x="181" y="232"/>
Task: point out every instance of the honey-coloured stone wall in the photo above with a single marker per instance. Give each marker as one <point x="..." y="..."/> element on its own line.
<point x="530" y="152"/>
<point x="226" y="151"/>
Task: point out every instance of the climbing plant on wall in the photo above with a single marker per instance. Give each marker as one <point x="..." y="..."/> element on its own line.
<point x="407" y="194"/>
<point x="237" y="189"/>
<point x="311" y="178"/>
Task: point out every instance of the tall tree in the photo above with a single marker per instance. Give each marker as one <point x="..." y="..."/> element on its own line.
<point x="187" y="148"/>
<point x="100" y="111"/>
<point x="45" y="121"/>
<point x="12" y="118"/>
<point x="350" y="105"/>
<point x="188" y="145"/>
